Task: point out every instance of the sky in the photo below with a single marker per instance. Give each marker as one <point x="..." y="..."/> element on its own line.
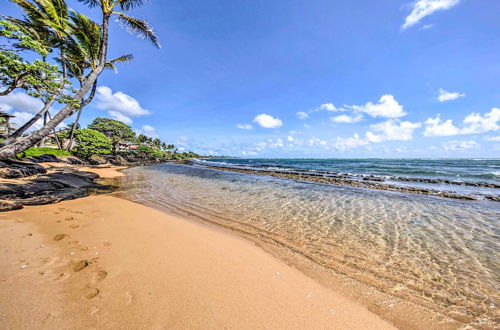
<point x="303" y="79"/>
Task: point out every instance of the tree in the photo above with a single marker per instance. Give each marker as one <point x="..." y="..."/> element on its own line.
<point x="35" y="77"/>
<point x="47" y="23"/>
<point x="108" y="8"/>
<point x="91" y="142"/>
<point x="82" y="52"/>
<point x="115" y="130"/>
<point x="149" y="152"/>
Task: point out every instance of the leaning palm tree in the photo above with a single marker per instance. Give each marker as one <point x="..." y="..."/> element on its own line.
<point x="108" y="9"/>
<point x="82" y="53"/>
<point x="47" y="22"/>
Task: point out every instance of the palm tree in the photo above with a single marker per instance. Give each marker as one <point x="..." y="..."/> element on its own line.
<point x="47" y="22"/>
<point x="108" y="8"/>
<point x="82" y="53"/>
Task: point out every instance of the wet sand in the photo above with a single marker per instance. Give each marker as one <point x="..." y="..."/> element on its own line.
<point x="104" y="262"/>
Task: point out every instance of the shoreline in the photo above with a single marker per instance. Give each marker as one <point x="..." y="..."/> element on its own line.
<point x="73" y="264"/>
<point x="366" y="182"/>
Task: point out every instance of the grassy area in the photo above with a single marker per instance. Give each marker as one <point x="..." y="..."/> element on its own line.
<point x="33" y="152"/>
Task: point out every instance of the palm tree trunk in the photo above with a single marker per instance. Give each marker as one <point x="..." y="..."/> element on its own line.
<point x="73" y="130"/>
<point x="29" y="141"/>
<point x="75" y="124"/>
<point x="42" y="141"/>
<point x="12" y="149"/>
<point x="58" y="142"/>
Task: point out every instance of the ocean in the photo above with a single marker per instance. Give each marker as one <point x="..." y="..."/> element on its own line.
<point x="399" y="253"/>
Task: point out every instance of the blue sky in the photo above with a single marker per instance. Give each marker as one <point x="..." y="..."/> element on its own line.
<point x="317" y="78"/>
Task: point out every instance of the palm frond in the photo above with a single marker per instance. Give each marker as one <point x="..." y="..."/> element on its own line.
<point x="140" y="27"/>
<point x="123" y="59"/>
<point x="91" y="3"/>
<point x="31" y="11"/>
<point x="131" y="4"/>
<point x="47" y="6"/>
<point x="111" y="66"/>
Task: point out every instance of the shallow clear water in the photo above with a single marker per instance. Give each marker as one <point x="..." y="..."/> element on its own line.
<point x="484" y="170"/>
<point x="430" y="251"/>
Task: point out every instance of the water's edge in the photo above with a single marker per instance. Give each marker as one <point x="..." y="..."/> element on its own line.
<point x="394" y="306"/>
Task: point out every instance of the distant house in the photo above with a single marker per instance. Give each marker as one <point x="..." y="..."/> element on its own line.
<point x="126" y="147"/>
<point x="5" y="126"/>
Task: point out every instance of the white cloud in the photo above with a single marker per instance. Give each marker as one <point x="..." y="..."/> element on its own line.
<point x="474" y="123"/>
<point x="328" y="107"/>
<point x="148" y="128"/>
<point x="267" y="121"/>
<point x="22" y="117"/>
<point x="355" y="141"/>
<point x="423" y="8"/>
<point x="387" y="107"/>
<point x="276" y="144"/>
<point x="436" y="127"/>
<point x="245" y="126"/>
<point x="119" y="105"/>
<point x="316" y="142"/>
<point x="460" y="145"/>
<point x="120" y="117"/>
<point x="260" y="146"/>
<point x="347" y="119"/>
<point x="492" y="138"/>
<point x="19" y="101"/>
<point x="302" y="115"/>
<point x="448" y="96"/>
<point x="392" y="130"/>
<point x="290" y="138"/>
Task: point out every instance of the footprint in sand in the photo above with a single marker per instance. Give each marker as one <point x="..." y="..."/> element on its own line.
<point x="59" y="237"/>
<point x="69" y="219"/>
<point x="90" y="292"/>
<point x="81" y="265"/>
<point x="99" y="276"/>
<point x="73" y="226"/>
<point x="63" y="277"/>
<point x="128" y="298"/>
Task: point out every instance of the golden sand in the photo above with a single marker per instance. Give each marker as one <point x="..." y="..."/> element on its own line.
<point x="107" y="263"/>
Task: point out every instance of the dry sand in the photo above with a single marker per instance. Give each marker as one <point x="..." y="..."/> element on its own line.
<point x="106" y="263"/>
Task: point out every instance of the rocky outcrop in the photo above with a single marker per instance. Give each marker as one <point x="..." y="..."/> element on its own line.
<point x="14" y="169"/>
<point x="370" y="182"/>
<point x="64" y="184"/>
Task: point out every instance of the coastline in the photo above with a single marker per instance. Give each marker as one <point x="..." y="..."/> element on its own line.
<point x="101" y="261"/>
<point x="367" y="182"/>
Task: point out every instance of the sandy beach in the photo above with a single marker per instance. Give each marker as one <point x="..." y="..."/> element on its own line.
<point x="106" y="263"/>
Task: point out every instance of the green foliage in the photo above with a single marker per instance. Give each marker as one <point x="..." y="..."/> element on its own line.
<point x="90" y="142"/>
<point x="115" y="130"/>
<point x="149" y="152"/>
<point x="21" y="38"/>
<point x="33" y="152"/>
<point x="37" y="77"/>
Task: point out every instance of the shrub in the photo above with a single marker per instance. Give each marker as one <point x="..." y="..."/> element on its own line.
<point x="149" y="152"/>
<point x="33" y="152"/>
<point x="90" y="142"/>
<point x="115" y="130"/>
